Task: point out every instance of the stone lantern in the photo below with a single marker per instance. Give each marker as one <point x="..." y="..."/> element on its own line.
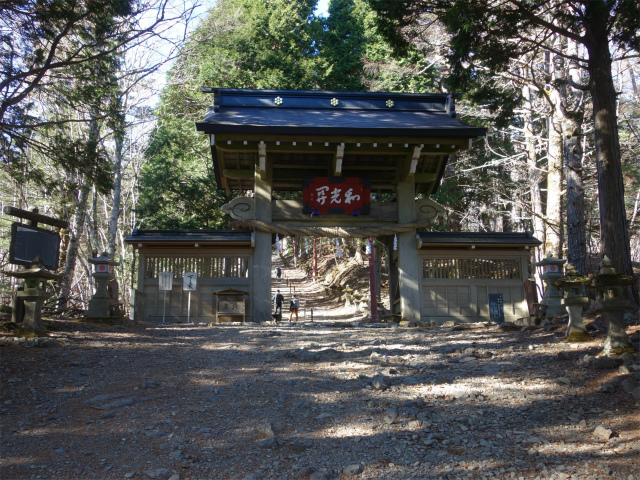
<point x="551" y="273"/>
<point x="100" y="304"/>
<point x="573" y="284"/>
<point x="34" y="293"/>
<point x="609" y="285"/>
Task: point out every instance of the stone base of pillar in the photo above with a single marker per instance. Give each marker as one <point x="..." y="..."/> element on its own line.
<point x="576" y="331"/>
<point x="617" y="341"/>
<point x="577" y="337"/>
<point x="33" y="300"/>
<point x="554" y="307"/>
<point x="99" y="307"/>
<point x="33" y="317"/>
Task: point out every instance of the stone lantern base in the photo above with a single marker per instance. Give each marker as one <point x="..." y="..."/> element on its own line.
<point x="33" y="300"/>
<point x="99" y="307"/>
<point x="617" y="341"/>
<point x="576" y="331"/>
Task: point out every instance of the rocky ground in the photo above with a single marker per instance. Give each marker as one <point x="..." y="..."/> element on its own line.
<point x="316" y="400"/>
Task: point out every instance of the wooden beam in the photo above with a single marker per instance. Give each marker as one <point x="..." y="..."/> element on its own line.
<point x="337" y="161"/>
<point x="35" y="217"/>
<point x="384" y="177"/>
<point x="238" y="174"/>
<point x="425" y="177"/>
<point x="411" y="164"/>
<point x="262" y="160"/>
<point x="297" y="185"/>
<point x="291" y="210"/>
<point x="319" y="141"/>
<point x="350" y="148"/>
<point x="391" y="168"/>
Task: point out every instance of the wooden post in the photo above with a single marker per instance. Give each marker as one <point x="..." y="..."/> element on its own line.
<point x="393" y="277"/>
<point x="408" y="260"/>
<point x="261" y="288"/>
<point x="295" y="255"/>
<point x="315" y="258"/>
<point x="373" y="300"/>
<point x="142" y="267"/>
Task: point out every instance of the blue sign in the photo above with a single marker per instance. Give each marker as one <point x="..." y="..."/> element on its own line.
<point x="496" y="307"/>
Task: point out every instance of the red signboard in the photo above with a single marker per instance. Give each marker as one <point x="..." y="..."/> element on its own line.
<point x="336" y="196"/>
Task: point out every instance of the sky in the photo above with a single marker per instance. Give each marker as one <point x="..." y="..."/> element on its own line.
<point x="322" y="8"/>
<point x="202" y="6"/>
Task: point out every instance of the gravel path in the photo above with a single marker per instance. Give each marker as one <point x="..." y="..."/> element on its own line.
<point x="314" y="401"/>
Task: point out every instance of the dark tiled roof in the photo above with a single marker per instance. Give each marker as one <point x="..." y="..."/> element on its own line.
<point x="189" y="236"/>
<point x="478" y="238"/>
<point x="356" y="113"/>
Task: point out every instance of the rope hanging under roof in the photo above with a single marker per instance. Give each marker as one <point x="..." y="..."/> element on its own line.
<point x="333" y="232"/>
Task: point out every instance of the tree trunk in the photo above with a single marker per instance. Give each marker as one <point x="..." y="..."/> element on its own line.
<point x="534" y="172"/>
<point x="614" y="239"/>
<point x="75" y="235"/>
<point x="573" y="118"/>
<point x="553" y="241"/>
<point x="115" y="208"/>
<point x="576" y="230"/>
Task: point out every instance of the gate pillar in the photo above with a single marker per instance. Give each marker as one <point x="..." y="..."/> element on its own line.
<point x="409" y="265"/>
<point x="261" y="275"/>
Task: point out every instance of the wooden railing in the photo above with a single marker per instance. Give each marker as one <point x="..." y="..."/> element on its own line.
<point x="471" y="268"/>
<point x="204" y="267"/>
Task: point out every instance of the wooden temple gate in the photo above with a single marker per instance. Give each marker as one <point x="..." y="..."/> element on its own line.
<point x="272" y="143"/>
<point x="295" y="161"/>
<point x="324" y="149"/>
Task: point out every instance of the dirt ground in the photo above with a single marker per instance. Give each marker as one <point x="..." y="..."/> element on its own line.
<point x="312" y="401"/>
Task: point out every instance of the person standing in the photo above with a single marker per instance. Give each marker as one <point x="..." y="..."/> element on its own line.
<point x="278" y="298"/>
<point x="293" y="307"/>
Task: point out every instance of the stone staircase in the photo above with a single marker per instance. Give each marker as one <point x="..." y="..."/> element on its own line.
<point x="311" y="295"/>
<point x="315" y="303"/>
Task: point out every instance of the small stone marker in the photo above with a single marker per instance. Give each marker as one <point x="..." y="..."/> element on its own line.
<point x="269" y="443"/>
<point x="354" y="469"/>
<point x="266" y="429"/>
<point x="381" y="382"/>
<point x="602" y="433"/>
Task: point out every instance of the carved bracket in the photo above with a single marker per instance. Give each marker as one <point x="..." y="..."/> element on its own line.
<point x="240" y="208"/>
<point x="427" y="209"/>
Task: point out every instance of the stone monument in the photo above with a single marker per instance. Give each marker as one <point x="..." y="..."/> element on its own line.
<point x="573" y="284"/>
<point x="552" y="298"/>
<point x="34" y="293"/>
<point x="101" y="304"/>
<point x="609" y="286"/>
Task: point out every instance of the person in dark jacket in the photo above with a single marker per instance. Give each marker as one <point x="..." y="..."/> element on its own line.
<point x="278" y="302"/>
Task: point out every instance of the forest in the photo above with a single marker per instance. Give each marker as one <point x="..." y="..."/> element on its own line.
<point x="87" y="136"/>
